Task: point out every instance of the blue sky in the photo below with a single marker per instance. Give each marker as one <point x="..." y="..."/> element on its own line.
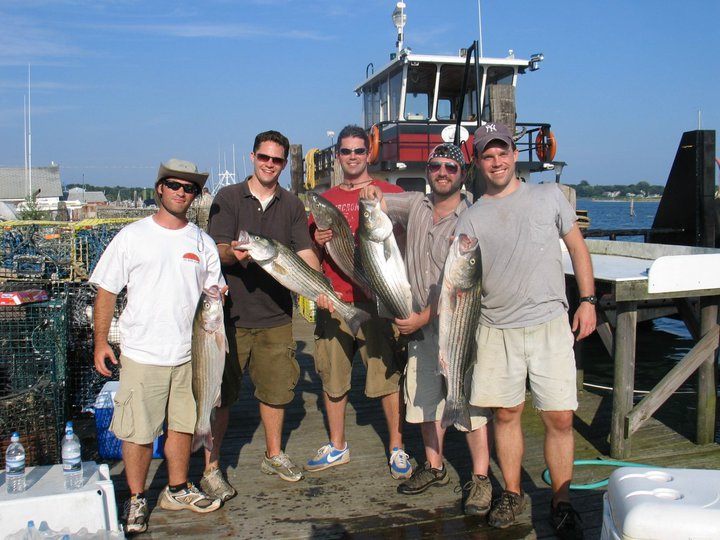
<point x="119" y="85"/>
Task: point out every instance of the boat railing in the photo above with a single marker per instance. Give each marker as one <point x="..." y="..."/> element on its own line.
<point x="647" y="234"/>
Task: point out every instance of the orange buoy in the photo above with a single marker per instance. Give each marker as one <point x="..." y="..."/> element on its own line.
<point x="545" y="145"/>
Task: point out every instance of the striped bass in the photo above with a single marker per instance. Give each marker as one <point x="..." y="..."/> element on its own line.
<point x="459" y="315"/>
<point x="209" y="346"/>
<point x="382" y="260"/>
<point x="292" y="272"/>
<point x="341" y="248"/>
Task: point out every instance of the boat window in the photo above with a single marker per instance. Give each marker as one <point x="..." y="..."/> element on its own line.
<point x="412" y="184"/>
<point x="420" y="91"/>
<point x="449" y="99"/>
<point x="371" y="105"/>
<point x="395" y="87"/>
<point x="496" y="75"/>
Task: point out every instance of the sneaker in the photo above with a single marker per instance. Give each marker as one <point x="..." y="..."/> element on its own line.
<point x="505" y="509"/>
<point x="566" y="521"/>
<point x="214" y="484"/>
<point x="479" y="496"/>
<point x="190" y="498"/>
<point x="282" y="466"/>
<point x="328" y="456"/>
<point x="423" y="478"/>
<point x="135" y="515"/>
<point x="400" y="467"/>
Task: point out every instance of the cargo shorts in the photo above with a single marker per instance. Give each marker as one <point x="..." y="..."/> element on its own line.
<point x="145" y="393"/>
<point x="507" y="357"/>
<point x="268" y="355"/>
<point x="335" y="348"/>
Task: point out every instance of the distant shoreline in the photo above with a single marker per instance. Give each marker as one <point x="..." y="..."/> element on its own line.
<point x="620" y="199"/>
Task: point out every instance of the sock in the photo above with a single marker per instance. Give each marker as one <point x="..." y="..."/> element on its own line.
<point x="179" y="487"/>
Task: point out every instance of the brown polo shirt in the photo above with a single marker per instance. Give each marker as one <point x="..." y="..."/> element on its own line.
<point x="256" y="300"/>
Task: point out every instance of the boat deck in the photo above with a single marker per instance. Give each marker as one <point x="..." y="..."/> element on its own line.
<point x="359" y="499"/>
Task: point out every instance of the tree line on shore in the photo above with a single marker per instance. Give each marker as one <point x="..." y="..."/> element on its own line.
<point x="641" y="189"/>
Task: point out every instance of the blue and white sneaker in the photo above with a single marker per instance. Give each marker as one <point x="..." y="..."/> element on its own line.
<point x="400" y="467"/>
<point x="328" y="456"/>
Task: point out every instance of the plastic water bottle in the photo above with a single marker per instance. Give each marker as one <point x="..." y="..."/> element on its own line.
<point x="71" y="459"/>
<point x="15" y="465"/>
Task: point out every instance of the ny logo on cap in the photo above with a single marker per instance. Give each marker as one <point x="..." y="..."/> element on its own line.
<point x="490" y="128"/>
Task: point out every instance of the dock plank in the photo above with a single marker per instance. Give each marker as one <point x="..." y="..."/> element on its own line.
<point x="359" y="500"/>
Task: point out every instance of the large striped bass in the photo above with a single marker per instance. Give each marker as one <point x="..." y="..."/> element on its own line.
<point x="459" y="314"/>
<point x="382" y="260"/>
<point x="209" y="346"/>
<point x="341" y="248"/>
<point x="292" y="272"/>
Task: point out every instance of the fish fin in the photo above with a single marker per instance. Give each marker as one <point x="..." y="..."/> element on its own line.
<point x="221" y="341"/>
<point x="279" y="269"/>
<point x="442" y="364"/>
<point x="387" y="248"/>
<point x="382" y="310"/>
<point x="358" y="318"/>
<point x="456" y="413"/>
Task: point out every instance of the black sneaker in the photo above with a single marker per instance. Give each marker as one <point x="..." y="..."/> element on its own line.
<point x="505" y="509"/>
<point x="565" y="521"/>
<point x="423" y="478"/>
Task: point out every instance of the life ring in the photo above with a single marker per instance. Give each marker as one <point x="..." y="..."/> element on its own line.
<point x="545" y="145"/>
<point x="374" y="137"/>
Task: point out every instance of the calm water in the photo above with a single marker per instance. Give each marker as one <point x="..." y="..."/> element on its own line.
<point x="619" y="215"/>
<point x="661" y="343"/>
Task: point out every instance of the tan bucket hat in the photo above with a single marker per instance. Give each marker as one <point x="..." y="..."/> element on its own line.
<point x="183" y="170"/>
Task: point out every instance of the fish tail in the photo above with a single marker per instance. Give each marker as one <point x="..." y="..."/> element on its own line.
<point x="359" y="316"/>
<point x="456" y="413"/>
<point x="202" y="439"/>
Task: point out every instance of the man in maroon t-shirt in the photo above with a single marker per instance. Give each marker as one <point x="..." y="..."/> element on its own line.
<point x="335" y="345"/>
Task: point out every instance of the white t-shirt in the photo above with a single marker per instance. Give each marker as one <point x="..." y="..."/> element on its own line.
<point x="165" y="271"/>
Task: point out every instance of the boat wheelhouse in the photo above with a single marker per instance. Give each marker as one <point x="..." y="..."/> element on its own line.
<point x="418" y="101"/>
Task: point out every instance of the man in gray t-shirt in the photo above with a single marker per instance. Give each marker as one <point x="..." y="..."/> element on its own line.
<point x="524" y="328"/>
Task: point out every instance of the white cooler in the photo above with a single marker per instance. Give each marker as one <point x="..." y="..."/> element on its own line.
<point x="644" y="503"/>
<point x="45" y="499"/>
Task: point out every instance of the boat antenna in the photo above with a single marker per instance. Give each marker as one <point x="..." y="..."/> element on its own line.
<point x="399" y="19"/>
<point x="480" y="28"/>
<point x="29" y="139"/>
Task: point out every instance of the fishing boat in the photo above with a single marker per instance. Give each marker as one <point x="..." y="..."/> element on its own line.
<point x="417" y="101"/>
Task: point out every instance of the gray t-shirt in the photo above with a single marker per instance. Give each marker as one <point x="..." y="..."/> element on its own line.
<point x="522" y="271"/>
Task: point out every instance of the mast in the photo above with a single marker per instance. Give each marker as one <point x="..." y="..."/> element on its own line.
<point x="29" y="139"/>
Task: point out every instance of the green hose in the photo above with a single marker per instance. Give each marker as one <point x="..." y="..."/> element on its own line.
<point x="594" y="462"/>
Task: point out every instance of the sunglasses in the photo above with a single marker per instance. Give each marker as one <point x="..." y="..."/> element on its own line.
<point x="191" y="189"/>
<point x="264" y="158"/>
<point x="348" y="151"/>
<point x="434" y="166"/>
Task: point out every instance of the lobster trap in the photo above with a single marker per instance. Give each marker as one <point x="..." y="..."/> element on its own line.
<point x="33" y="413"/>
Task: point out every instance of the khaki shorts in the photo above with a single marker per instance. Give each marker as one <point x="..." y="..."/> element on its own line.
<point x="425" y="388"/>
<point x="507" y="357"/>
<point x="145" y="394"/>
<point x="269" y="356"/>
<point x="335" y="348"/>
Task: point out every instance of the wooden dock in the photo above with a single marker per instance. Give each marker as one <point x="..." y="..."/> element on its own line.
<point x="359" y="500"/>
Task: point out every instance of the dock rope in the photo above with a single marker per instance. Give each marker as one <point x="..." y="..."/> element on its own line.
<point x="595" y="463"/>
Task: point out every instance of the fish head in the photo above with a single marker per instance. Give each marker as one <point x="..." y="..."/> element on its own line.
<point x="210" y="309"/>
<point x="465" y="264"/>
<point x="374" y="223"/>
<point x="321" y="210"/>
<point x="260" y="248"/>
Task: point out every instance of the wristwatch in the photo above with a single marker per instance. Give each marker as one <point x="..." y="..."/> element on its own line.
<point x="589" y="299"/>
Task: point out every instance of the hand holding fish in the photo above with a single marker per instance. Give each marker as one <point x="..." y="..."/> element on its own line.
<point x="414" y="322"/>
<point x="240" y="253"/>
<point x="373" y="192"/>
<point x="324" y="302"/>
<point x="322" y="236"/>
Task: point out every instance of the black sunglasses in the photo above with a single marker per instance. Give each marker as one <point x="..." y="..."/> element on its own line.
<point x="434" y="166"/>
<point x="348" y="151"/>
<point x="264" y="158"/>
<point x="192" y="189"/>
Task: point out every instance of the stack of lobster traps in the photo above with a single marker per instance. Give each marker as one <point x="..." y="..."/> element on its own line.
<point x="47" y="371"/>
